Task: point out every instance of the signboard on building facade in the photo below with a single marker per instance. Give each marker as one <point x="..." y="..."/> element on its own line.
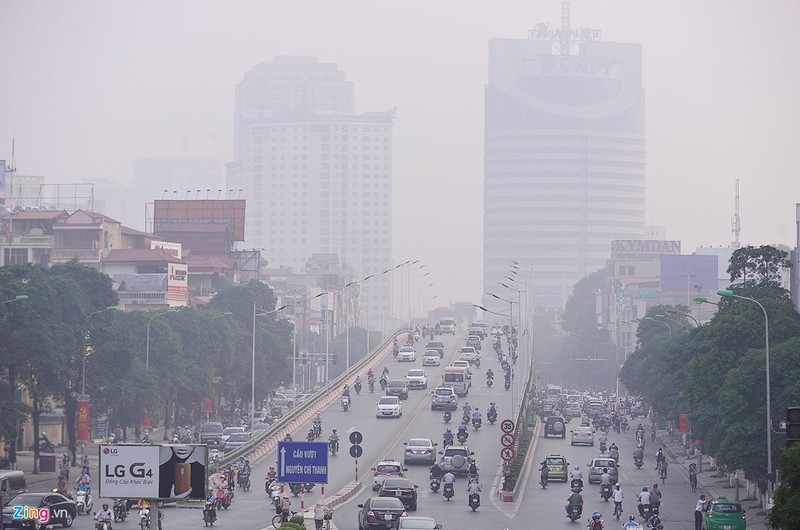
<point x="177" y="281"/>
<point x="643" y="249"/>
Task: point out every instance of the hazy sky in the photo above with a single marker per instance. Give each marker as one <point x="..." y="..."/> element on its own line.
<point x="82" y="80"/>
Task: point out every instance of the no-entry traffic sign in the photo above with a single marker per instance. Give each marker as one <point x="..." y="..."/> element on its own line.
<point x="507" y="426"/>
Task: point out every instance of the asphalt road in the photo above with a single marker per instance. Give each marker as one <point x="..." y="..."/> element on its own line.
<point x="382" y="438"/>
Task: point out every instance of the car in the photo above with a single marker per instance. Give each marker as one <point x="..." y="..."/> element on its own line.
<point x="456" y="459"/>
<point x="61" y="510"/>
<point x="258" y="427"/>
<point x="549" y="406"/>
<point x="480" y="332"/>
<point x="417" y="378"/>
<point x="474" y="341"/>
<point x="389" y="407"/>
<point x="417" y="523"/>
<point x="555" y="426"/>
<point x="284" y="399"/>
<point x="462" y="363"/>
<point x="211" y="433"/>
<point x="386" y="468"/>
<point x="227" y="433"/>
<point x="235" y="441"/>
<point x="468" y="354"/>
<point x="442" y="395"/>
<point x="582" y="435"/>
<point x="597" y="465"/>
<point x="558" y="467"/>
<point x="436" y="345"/>
<point x="431" y="358"/>
<point x="724" y="514"/>
<point x="447" y="325"/>
<point x="397" y="387"/>
<point x="420" y="450"/>
<point x="380" y="512"/>
<point x="400" y="488"/>
<point x="572" y="409"/>
<point x="406" y="354"/>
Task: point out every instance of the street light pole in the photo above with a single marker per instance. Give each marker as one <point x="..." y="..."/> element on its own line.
<point x="147" y="347"/>
<point x="257" y="312"/>
<point x="729" y="294"/>
<point x="83" y="368"/>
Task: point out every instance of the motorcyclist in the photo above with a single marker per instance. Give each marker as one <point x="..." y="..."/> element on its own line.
<point x="448" y="437"/>
<point x="638" y="454"/>
<point x="61" y="487"/>
<point x="473" y="488"/>
<point x="654" y="521"/>
<point x="345" y="391"/>
<point x="644" y="501"/>
<point x="357" y="381"/>
<point x="334" y="439"/>
<point x="489" y="374"/>
<point x="655" y="497"/>
<point x="318" y="423"/>
<point x="449" y="478"/>
<point x="385" y="373"/>
<point x="476" y="414"/>
<point x="618" y="497"/>
<point x="466" y="409"/>
<point x="577" y="478"/>
<point x="105" y="515"/>
<point x="632" y="523"/>
<point x="574" y="500"/>
<point x="492" y="409"/>
<point x="544" y="472"/>
<point x="287" y="438"/>
<point x="272" y="474"/>
<point x="473" y="470"/>
<point x="311" y="435"/>
<point x="436" y="471"/>
<point x="462" y="430"/>
<point x="613" y="452"/>
<point x="240" y="463"/>
<point x="370" y="375"/>
<point x="596" y="522"/>
<point x="605" y="479"/>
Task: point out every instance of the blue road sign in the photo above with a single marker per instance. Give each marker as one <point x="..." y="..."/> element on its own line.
<point x="303" y="462"/>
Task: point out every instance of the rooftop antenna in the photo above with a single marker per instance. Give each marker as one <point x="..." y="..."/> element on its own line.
<point x="736" y="222"/>
<point x="565" y="36"/>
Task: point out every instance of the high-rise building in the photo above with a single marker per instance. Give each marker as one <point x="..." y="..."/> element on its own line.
<point x="564" y="168"/>
<point x="316" y="176"/>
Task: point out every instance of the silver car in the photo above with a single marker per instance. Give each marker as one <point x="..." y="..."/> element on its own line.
<point x="421" y="450"/>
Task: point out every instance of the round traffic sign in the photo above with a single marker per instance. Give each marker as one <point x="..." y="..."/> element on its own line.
<point x="507" y="440"/>
<point x="356" y="451"/>
<point x="507" y="426"/>
<point x="507" y="454"/>
<point x="356" y="437"/>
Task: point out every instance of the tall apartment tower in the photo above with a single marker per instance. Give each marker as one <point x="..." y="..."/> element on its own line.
<point x="317" y="177"/>
<point x="564" y="167"/>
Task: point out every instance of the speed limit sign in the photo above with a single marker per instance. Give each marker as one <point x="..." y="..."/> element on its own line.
<point x="507" y="426"/>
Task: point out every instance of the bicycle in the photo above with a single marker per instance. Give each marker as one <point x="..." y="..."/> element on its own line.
<point x="281" y="518"/>
<point x="662" y="472"/>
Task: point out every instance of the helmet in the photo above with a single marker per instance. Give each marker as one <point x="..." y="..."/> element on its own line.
<point x="596" y="516"/>
<point x="577" y="468"/>
<point x="105" y="505"/>
<point x="334" y="430"/>
<point x="631" y="518"/>
<point x="448" y="429"/>
<point x="617" y="484"/>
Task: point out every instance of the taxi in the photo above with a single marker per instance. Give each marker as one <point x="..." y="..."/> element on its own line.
<point x="557" y="468"/>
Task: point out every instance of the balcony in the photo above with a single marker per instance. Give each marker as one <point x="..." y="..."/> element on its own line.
<point x="62" y="255"/>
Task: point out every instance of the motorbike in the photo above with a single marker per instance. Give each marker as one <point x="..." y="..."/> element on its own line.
<point x="357" y="387"/>
<point x="576" y="484"/>
<point x="492" y="417"/>
<point x="447" y="416"/>
<point x="477" y="362"/>
<point x="476" y="423"/>
<point x="575" y="512"/>
<point x="637" y="462"/>
<point x="446" y="442"/>
<point x="103" y="524"/>
<point x="120" y="510"/>
<point x="507" y="384"/>
<point x="310" y="436"/>
<point x="317" y="429"/>
<point x="371" y="386"/>
<point x="474" y="501"/>
<point x="489" y="381"/>
<point x="45" y="445"/>
<point x="295" y="488"/>
<point x="603" y="447"/>
<point x="465" y="418"/>
<point x="209" y="514"/>
<point x="333" y="445"/>
<point x="416" y="336"/>
<point x="83" y="502"/>
<point x="605" y="491"/>
<point x="543" y="480"/>
<point x="345" y="403"/>
<point x="462" y="437"/>
<point x="436" y="483"/>
<point x="448" y="491"/>
<point x="244" y="480"/>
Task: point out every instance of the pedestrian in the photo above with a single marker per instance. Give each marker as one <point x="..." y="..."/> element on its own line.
<point x="698" y="512"/>
<point x="321" y="510"/>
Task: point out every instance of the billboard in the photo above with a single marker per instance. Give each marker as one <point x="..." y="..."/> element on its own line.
<point x="82" y="434"/>
<point x="178" y="278"/>
<point x="165" y="472"/>
<point x="643" y="249"/>
<point x="699" y="273"/>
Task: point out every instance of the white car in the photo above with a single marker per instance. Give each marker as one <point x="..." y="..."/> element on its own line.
<point x="582" y="435"/>
<point x="468" y="353"/>
<point x="227" y="433"/>
<point x="431" y="358"/>
<point x="389" y="407"/>
<point x="417" y="378"/>
<point x="461" y="363"/>
<point x="406" y="354"/>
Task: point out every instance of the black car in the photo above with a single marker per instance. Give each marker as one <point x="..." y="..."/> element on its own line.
<point x="380" y="512"/>
<point x="400" y="488"/>
<point x="555" y="426"/>
<point x="59" y="509"/>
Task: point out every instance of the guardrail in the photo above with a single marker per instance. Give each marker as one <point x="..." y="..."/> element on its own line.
<point x="298" y="410"/>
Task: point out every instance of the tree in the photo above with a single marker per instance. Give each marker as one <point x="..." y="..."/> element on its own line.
<point x="758" y="266"/>
<point x="786" y="511"/>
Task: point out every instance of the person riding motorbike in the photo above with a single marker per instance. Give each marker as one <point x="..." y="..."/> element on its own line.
<point x="655" y="497"/>
<point x="632" y="523"/>
<point x="448" y="437"/>
<point x="462" y="431"/>
<point x="476" y="415"/>
<point x="334" y="439"/>
<point x="473" y="488"/>
<point x="613" y="452"/>
<point x="574" y="499"/>
<point x="605" y="480"/>
<point x="654" y="521"/>
<point x="345" y="391"/>
<point x="596" y="522"/>
<point x="105" y="515"/>
<point x="311" y="435"/>
<point x="489" y="374"/>
<point x="357" y="383"/>
<point x="448" y="479"/>
<point x="473" y="470"/>
<point x="618" y="497"/>
<point x="544" y="473"/>
<point x="492" y="411"/>
<point x="644" y="501"/>
<point x="638" y="454"/>
<point x="370" y="375"/>
<point x="385" y="372"/>
<point x="436" y="471"/>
